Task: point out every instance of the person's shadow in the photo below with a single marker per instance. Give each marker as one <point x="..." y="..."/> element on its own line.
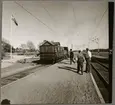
<point x="68" y="68"/>
<point x="64" y="63"/>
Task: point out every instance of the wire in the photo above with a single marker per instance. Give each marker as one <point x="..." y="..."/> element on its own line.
<point x="97" y="25"/>
<point x="49" y="15"/>
<point x="35" y="17"/>
<point x="47" y="12"/>
<point x="100" y="21"/>
<point x="74" y="25"/>
<point x="74" y="13"/>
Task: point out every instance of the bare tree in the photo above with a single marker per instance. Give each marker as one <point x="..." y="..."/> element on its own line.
<point x="30" y="45"/>
<point x="23" y="46"/>
<point x="5" y="40"/>
<point x="6" y="45"/>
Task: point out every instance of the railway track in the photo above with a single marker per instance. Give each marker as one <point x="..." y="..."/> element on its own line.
<point x="101" y="76"/>
<point x="19" y="75"/>
<point x="103" y="64"/>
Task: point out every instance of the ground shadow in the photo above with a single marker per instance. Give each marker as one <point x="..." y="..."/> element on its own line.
<point x="68" y="68"/>
<point x="41" y="62"/>
<point x="63" y="63"/>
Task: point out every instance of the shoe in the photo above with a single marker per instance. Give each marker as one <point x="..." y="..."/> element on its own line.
<point x="81" y="73"/>
<point x="77" y="72"/>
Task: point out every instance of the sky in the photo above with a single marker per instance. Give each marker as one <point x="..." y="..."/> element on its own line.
<point x="73" y="24"/>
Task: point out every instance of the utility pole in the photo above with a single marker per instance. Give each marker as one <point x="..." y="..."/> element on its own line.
<point x="14" y="20"/>
<point x="11" y="37"/>
<point x="71" y="46"/>
<point x="96" y="40"/>
<point x="98" y="44"/>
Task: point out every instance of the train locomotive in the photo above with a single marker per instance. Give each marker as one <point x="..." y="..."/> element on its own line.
<point x="52" y="52"/>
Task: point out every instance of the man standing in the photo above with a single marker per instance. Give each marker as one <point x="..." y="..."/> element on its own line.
<point x="88" y="56"/>
<point x="71" y="57"/>
<point x="80" y="62"/>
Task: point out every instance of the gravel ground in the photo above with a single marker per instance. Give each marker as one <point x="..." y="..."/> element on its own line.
<point x="52" y="85"/>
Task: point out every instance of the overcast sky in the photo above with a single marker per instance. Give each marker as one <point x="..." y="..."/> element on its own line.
<point x="67" y="22"/>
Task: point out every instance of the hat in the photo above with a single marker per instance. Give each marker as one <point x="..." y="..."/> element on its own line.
<point x="87" y="49"/>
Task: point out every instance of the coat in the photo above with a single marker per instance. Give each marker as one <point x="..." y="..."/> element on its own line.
<point x="80" y="58"/>
<point x="71" y="54"/>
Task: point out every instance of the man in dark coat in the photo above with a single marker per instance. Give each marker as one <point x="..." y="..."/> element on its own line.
<point x="71" y="57"/>
<point x="80" y="62"/>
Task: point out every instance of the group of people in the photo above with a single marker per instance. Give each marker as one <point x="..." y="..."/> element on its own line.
<point x="80" y="60"/>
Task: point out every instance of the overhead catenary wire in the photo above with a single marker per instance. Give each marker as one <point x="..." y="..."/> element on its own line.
<point x="93" y="33"/>
<point x="51" y="17"/>
<point x="75" y="23"/>
<point x="35" y="17"/>
<point x="99" y="21"/>
<point x="47" y="12"/>
<point x="74" y="12"/>
<point x="68" y="30"/>
<point x="73" y="26"/>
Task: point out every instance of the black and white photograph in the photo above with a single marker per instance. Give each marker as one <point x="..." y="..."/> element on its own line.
<point x="56" y="52"/>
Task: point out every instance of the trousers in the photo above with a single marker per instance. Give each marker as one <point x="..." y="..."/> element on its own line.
<point x="71" y="60"/>
<point x="87" y="65"/>
<point x="80" y="66"/>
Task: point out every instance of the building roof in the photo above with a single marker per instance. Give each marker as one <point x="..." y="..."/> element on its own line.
<point x="45" y="42"/>
<point x="55" y="43"/>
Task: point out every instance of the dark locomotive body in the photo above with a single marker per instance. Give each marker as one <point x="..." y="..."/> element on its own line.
<point x="52" y="52"/>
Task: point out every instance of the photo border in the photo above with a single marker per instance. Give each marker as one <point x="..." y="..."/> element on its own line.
<point x="111" y="37"/>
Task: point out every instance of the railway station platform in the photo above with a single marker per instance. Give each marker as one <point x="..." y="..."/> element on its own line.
<point x="57" y="84"/>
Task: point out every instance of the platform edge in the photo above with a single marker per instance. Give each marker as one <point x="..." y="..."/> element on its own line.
<point x="97" y="89"/>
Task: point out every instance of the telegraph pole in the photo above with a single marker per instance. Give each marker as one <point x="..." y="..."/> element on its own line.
<point x="11" y="37"/>
<point x="71" y="46"/>
<point x="98" y="44"/>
